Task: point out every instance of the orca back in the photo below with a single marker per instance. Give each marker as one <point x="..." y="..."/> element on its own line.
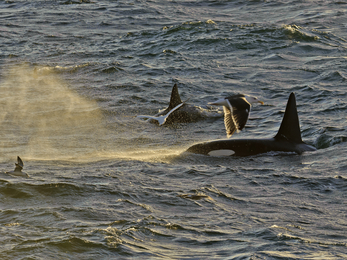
<point x="290" y="126"/>
<point x="175" y="99"/>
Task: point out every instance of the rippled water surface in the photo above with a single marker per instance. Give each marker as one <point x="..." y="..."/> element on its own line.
<point x="104" y="184"/>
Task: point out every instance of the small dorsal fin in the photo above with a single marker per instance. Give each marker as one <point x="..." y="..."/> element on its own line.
<point x="175" y="99"/>
<point x="290" y="126"/>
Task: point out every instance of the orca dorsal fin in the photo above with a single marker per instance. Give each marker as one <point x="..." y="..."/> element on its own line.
<point x="290" y="126"/>
<point x="175" y="99"/>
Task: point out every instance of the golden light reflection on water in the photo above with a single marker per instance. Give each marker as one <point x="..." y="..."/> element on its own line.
<point x="43" y="119"/>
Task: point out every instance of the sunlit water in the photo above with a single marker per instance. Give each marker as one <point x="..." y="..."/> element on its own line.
<point x="105" y="184"/>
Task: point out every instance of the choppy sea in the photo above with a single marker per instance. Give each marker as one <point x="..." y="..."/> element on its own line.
<point x="104" y="184"/>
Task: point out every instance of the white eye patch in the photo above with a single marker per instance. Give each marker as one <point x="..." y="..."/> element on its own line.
<point x="222" y="152"/>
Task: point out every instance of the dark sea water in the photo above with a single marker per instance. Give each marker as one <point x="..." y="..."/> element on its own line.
<point x="104" y="184"/>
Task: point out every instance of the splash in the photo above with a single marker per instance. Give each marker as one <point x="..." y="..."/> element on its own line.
<point x="42" y="118"/>
<point x="142" y="154"/>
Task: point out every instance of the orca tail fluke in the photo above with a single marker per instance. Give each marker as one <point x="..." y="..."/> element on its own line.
<point x="175" y="99"/>
<point x="290" y="126"/>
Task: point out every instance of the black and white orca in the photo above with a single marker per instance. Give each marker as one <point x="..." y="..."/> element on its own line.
<point x="18" y="169"/>
<point x="288" y="139"/>
<point x="176" y="112"/>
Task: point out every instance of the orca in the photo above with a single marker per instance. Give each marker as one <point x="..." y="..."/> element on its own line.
<point x="176" y="112"/>
<point x="161" y="119"/>
<point x="288" y="139"/>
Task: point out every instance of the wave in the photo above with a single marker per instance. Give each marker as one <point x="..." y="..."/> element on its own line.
<point x="298" y="33"/>
<point x="188" y="26"/>
<point x="48" y="70"/>
<point x="327" y="140"/>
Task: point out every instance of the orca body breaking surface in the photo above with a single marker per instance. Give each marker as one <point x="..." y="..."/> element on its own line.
<point x="246" y="147"/>
<point x="288" y="139"/>
<point x="176" y="112"/>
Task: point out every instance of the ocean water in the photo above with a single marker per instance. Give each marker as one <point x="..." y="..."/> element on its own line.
<point x="104" y="184"/>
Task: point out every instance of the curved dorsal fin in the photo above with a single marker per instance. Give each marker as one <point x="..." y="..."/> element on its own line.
<point x="290" y="126"/>
<point x="175" y="99"/>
